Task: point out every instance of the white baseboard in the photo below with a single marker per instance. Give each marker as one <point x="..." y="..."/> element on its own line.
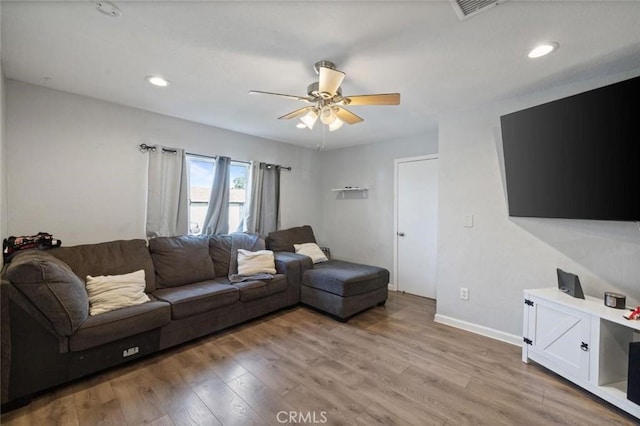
<point x="391" y="287"/>
<point x="479" y="329"/>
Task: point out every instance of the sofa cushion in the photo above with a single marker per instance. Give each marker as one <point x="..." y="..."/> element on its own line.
<point x="121" y="323"/>
<point x="52" y="287"/>
<point x="109" y="292"/>
<point x="345" y="278"/>
<point x="257" y="289"/>
<point x="181" y="260"/>
<point x="220" y="252"/>
<point x="192" y="299"/>
<point x="110" y="258"/>
<point x="285" y="239"/>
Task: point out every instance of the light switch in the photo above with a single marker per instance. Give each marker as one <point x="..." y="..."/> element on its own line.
<point x="468" y="221"/>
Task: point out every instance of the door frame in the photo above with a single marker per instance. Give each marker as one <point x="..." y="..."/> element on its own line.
<point x="396" y="164"/>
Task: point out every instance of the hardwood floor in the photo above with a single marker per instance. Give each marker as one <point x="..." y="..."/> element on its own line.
<point x="389" y="365"/>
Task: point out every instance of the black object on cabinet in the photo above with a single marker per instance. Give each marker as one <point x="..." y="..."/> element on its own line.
<point x="633" y="382"/>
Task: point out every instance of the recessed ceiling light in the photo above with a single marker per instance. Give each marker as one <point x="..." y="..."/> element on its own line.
<point x="158" y="81"/>
<point x="543" y="49"/>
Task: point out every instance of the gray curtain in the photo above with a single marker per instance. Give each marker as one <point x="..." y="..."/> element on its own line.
<point x="216" y="221"/>
<point x="167" y="208"/>
<point x="254" y="192"/>
<point x="263" y="213"/>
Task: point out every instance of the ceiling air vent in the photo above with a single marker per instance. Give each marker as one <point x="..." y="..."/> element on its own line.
<point x="466" y="8"/>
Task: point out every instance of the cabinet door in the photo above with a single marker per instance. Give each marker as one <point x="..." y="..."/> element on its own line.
<point x="561" y="338"/>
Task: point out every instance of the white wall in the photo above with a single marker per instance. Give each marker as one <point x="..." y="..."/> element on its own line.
<point x="357" y="229"/>
<point x="500" y="256"/>
<point x="75" y="170"/>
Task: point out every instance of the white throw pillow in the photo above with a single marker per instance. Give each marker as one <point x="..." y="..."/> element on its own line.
<point x="312" y="250"/>
<point x="256" y="262"/>
<point x="109" y="292"/>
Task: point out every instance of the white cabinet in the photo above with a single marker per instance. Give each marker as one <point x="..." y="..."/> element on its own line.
<point x="581" y="340"/>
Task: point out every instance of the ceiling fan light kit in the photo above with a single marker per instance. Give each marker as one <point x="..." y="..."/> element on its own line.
<point x="327" y="101"/>
<point x="309" y="119"/>
<point x="335" y="125"/>
<point x="328" y="114"/>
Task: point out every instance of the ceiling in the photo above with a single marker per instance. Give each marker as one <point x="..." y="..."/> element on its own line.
<point x="215" y="52"/>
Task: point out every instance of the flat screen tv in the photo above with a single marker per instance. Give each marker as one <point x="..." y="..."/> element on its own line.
<point x="577" y="157"/>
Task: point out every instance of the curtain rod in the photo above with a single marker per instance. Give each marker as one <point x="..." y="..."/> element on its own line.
<point x="145" y="147"/>
<point x="240" y="161"/>
<point x="267" y="165"/>
<point x="201" y="155"/>
<point x="153" y="148"/>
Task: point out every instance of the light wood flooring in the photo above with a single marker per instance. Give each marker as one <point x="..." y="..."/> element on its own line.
<point x="389" y="365"/>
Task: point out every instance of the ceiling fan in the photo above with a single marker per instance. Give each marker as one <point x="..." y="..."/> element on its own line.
<point x="327" y="102"/>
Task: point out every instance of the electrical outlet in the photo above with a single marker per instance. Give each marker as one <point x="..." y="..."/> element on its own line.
<point x="464" y="293"/>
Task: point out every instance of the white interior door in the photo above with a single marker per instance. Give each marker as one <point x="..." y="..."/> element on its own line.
<point x="417" y="225"/>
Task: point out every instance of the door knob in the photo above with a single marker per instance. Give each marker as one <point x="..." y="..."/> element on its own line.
<point x="400" y="234"/>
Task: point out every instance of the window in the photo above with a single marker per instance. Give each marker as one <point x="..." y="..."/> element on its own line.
<point x="200" y="171"/>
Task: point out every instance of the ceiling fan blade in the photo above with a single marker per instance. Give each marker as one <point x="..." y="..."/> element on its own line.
<point x="348" y="117"/>
<point x="297" y="113"/>
<point x="329" y="80"/>
<point x="297" y="98"/>
<point x="378" y="99"/>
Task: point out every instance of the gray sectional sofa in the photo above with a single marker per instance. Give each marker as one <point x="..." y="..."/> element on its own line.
<point x="49" y="338"/>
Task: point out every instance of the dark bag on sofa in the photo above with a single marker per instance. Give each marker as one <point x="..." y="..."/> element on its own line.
<point x="40" y="241"/>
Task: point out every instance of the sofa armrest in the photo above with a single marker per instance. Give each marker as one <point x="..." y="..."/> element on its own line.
<point x="293" y="266"/>
<point x="24" y="328"/>
<point x="287" y="261"/>
<point x="49" y="286"/>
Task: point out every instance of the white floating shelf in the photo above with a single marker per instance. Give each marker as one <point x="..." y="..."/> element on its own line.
<point x="343" y="190"/>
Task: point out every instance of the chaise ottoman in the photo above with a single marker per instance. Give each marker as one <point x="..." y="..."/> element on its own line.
<point x="342" y="289"/>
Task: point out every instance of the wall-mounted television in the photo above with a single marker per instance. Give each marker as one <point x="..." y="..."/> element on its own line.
<point x="576" y="157"/>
